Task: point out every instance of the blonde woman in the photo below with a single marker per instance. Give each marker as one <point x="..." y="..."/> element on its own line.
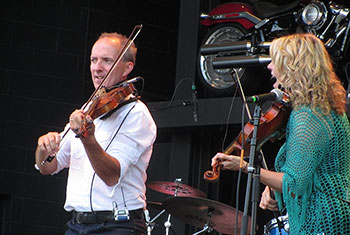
<point x="312" y="177"/>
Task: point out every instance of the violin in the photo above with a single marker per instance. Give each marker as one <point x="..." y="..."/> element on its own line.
<point x="271" y="127"/>
<point x="105" y="102"/>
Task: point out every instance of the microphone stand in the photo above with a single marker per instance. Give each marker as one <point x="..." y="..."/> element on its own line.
<point x="253" y="178"/>
<point x="275" y="213"/>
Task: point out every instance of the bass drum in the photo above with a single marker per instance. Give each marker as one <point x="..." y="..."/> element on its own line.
<point x="221" y="82"/>
<point x="271" y="228"/>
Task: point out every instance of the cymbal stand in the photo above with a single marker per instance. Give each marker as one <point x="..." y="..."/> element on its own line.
<point x="150" y="222"/>
<point x="206" y="227"/>
<point x="167" y="224"/>
<point x="253" y="175"/>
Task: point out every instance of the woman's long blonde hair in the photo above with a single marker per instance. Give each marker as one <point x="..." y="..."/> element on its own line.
<point x="307" y="74"/>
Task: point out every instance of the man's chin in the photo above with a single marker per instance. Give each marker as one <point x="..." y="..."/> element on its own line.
<point x="97" y="83"/>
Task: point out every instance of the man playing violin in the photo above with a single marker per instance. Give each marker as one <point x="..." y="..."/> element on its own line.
<point x="312" y="176"/>
<point x="107" y="166"/>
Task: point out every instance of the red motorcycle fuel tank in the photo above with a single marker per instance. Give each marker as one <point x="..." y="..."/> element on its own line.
<point x="230" y="12"/>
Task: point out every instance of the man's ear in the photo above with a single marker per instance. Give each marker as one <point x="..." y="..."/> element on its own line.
<point x="128" y="68"/>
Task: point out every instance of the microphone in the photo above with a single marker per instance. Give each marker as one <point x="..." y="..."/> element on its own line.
<point x="274" y="95"/>
<point x="132" y="80"/>
<point x="194" y="101"/>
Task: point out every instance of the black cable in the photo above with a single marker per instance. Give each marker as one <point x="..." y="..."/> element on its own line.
<point x="143" y="86"/>
<point x="177" y="86"/>
<point x="93" y="177"/>
<point x="227" y="120"/>
<point x="174" y="93"/>
<point x="123" y="198"/>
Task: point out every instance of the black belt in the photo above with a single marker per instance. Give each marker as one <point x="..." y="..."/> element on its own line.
<point x="101" y="216"/>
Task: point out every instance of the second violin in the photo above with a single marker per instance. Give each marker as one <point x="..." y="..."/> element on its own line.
<point x="271" y="127"/>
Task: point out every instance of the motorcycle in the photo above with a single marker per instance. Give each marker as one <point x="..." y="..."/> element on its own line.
<point x="240" y="35"/>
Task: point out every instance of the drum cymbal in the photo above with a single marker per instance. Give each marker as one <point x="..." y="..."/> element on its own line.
<point x="195" y="211"/>
<point x="170" y="188"/>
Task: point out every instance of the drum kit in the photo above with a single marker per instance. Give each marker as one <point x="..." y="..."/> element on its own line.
<point x="277" y="226"/>
<point x="190" y="206"/>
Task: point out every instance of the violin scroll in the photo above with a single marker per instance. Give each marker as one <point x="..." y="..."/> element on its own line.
<point x="213" y="175"/>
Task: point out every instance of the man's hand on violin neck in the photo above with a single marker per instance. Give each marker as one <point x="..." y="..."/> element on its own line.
<point x="82" y="125"/>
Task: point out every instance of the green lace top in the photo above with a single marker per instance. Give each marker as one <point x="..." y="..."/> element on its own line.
<point x="316" y="161"/>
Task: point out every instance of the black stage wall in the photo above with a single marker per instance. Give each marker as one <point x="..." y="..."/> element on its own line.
<point x="44" y="76"/>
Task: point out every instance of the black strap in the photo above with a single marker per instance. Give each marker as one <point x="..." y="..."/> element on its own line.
<point x="115" y="134"/>
<point x="119" y="106"/>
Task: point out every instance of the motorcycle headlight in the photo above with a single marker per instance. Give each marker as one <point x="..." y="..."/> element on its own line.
<point x="314" y="14"/>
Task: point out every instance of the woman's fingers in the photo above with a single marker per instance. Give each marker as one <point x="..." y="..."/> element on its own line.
<point x="267" y="202"/>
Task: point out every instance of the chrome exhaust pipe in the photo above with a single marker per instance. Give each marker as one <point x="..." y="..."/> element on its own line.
<point x="209" y="49"/>
<point x="240" y="61"/>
